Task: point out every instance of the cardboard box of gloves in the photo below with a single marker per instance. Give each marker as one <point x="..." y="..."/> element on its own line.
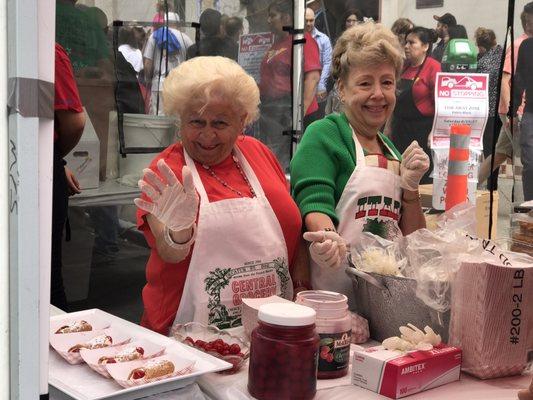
<point x="397" y="374"/>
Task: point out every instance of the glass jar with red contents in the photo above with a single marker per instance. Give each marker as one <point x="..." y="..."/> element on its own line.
<point x="283" y="353"/>
<point x="334" y="326"/>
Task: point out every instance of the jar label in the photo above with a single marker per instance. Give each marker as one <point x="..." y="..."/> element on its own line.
<point x="334" y="351"/>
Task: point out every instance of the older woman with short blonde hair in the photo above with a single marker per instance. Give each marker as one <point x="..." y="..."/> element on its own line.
<point x="346" y="176"/>
<point x="215" y="208"/>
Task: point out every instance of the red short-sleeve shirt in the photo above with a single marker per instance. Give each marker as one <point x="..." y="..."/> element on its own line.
<point x="424" y="87"/>
<point x="66" y="97"/>
<point x="165" y="281"/>
<point x="276" y="68"/>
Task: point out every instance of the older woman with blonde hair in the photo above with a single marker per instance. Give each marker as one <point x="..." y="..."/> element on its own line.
<point x="215" y="207"/>
<point x="346" y="176"/>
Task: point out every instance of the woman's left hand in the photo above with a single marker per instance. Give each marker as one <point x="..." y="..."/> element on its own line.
<point x="415" y="163"/>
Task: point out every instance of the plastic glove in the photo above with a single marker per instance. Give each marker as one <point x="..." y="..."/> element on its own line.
<point x="415" y="163"/>
<point x="327" y="248"/>
<point x="174" y="204"/>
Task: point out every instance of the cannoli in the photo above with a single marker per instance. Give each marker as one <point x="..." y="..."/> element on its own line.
<point x="129" y="353"/>
<point x="78" y="326"/>
<point x="95" y="343"/>
<point x="152" y="369"/>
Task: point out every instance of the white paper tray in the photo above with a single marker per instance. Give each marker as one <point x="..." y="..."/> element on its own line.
<point x="81" y="383"/>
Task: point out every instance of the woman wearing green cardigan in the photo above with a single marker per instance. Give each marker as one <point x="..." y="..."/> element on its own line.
<point x="347" y="178"/>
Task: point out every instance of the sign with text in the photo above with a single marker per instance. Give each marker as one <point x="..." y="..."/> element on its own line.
<point x="252" y="48"/>
<point x="460" y="99"/>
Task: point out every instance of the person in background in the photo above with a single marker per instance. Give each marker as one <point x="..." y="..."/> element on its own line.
<point x="234" y="29"/>
<point x="401" y="27"/>
<point x="325" y="21"/>
<point x="215" y="208"/>
<point x="457" y="32"/>
<point x="324" y="46"/>
<point x="158" y="54"/>
<point x="443" y="24"/>
<point x="344" y="169"/>
<point x="213" y="42"/>
<point x="524" y="86"/>
<point x="69" y="121"/>
<point x="508" y="142"/>
<point x="415" y="106"/>
<point x="128" y="46"/>
<point x="275" y="83"/>
<point x="351" y="17"/>
<point x="489" y="61"/>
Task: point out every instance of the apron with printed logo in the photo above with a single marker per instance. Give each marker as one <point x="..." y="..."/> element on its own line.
<point x="370" y="202"/>
<point x="239" y="252"/>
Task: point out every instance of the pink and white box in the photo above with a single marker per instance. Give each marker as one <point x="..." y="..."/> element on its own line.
<point x="395" y="374"/>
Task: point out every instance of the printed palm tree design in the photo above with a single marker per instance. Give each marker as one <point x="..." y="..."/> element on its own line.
<point x="281" y="268"/>
<point x="214" y="283"/>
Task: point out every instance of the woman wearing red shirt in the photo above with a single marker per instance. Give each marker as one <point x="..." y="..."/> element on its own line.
<point x="415" y="103"/>
<point x="216" y="210"/>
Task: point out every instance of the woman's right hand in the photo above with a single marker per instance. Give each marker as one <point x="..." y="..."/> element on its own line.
<point x="172" y="203"/>
<point x="327" y="249"/>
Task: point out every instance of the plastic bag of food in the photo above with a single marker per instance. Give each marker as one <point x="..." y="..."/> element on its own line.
<point x="374" y="254"/>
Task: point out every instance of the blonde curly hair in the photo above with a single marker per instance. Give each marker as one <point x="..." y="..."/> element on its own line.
<point x="202" y="80"/>
<point x="366" y="44"/>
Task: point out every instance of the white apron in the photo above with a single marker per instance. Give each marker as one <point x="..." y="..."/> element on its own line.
<point x="239" y="252"/>
<point x="370" y="201"/>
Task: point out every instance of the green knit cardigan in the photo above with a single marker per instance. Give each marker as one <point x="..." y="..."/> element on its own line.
<point x="323" y="163"/>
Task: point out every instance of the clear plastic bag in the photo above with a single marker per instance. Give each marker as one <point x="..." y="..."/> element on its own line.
<point x="374" y="254"/>
<point x="435" y="256"/>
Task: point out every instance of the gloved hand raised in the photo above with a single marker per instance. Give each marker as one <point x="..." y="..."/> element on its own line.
<point x="174" y="204"/>
<point x="415" y="163"/>
<point x="327" y="248"/>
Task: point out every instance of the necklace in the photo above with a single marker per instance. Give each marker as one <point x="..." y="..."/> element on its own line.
<point x="226" y="184"/>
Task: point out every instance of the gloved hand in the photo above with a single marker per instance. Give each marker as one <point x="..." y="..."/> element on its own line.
<point x="327" y="248"/>
<point x="174" y="204"/>
<point x="415" y="163"/>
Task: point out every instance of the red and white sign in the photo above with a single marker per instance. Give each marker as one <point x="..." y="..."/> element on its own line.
<point x="252" y="48"/>
<point x="460" y="99"/>
<point x="395" y="375"/>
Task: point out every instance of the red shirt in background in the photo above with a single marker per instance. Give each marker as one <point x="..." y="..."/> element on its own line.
<point x="504" y="108"/>
<point x="276" y="68"/>
<point x="165" y="281"/>
<point x="66" y="97"/>
<point x="424" y="87"/>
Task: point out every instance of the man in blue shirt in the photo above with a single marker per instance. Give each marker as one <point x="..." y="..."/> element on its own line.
<point x="324" y="46"/>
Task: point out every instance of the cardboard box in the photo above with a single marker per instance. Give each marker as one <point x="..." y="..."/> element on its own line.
<point x="395" y="375"/>
<point x="84" y="159"/>
<point x="482" y="210"/>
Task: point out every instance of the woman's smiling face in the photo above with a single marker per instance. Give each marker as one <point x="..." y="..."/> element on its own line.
<point x="369" y="96"/>
<point x="209" y="136"/>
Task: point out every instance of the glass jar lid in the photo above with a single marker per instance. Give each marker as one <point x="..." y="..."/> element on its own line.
<point x="286" y="314"/>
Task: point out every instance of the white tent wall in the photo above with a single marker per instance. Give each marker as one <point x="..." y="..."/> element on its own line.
<point x="4" y="213"/>
<point x="472" y="14"/>
<point x="46" y="72"/>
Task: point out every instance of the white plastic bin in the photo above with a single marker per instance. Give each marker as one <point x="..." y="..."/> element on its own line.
<point x="145" y="131"/>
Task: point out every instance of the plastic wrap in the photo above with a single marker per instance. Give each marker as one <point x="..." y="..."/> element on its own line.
<point x="435" y="256"/>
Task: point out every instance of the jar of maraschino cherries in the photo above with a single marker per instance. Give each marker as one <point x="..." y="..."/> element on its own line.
<point x="283" y="353"/>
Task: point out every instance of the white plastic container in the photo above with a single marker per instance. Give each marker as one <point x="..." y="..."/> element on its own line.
<point x="84" y="159"/>
<point x="144" y="131"/>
